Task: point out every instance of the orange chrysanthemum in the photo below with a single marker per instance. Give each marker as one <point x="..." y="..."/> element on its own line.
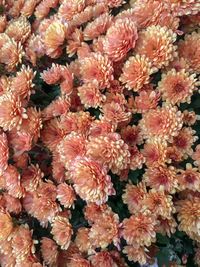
<point x="133" y="197"/>
<point x="62" y="231"/>
<point x="66" y="195"/>
<point x="136" y="253"/>
<point x="189" y="117"/>
<point x="93" y="211"/>
<point x="119" y="39"/>
<point x="158" y="204"/>
<point x="136" y="72"/>
<point x="189" y="178"/>
<point x="91" y="181"/>
<point x="163" y="123"/>
<point x="100" y="127"/>
<point x="189" y="216"/>
<point x="177" y="87"/>
<point x="156" y="43"/>
<point x="166" y="226"/>
<point x="104" y="259"/>
<point x="6" y="225"/>
<point x="139" y="230"/>
<point x="136" y="158"/>
<point x="190" y="51"/>
<point x="98" y="69"/>
<point x="146" y="100"/>
<point x="82" y="240"/>
<point x="109" y="150"/>
<point x="161" y="178"/>
<point x="69" y="8"/>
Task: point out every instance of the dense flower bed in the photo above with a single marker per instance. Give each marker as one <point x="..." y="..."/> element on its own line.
<point x="99" y="117"/>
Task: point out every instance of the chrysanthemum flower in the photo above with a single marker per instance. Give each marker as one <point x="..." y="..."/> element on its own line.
<point x="54" y="38"/>
<point x="173" y="154"/>
<point x="43" y="8"/>
<point x="196" y="156"/>
<point x="163" y="123"/>
<point x="97" y="68"/>
<point x="66" y="195"/>
<point x="131" y="135"/>
<point x="136" y="253"/>
<point x="119" y="39"/>
<point x="20" y="142"/>
<point x="136" y="72"/>
<point x="91" y="181"/>
<point x="62" y="231"/>
<point x="185" y="140"/>
<point x="29" y="7"/>
<point x="161" y="178"/>
<point x="166" y="226"/>
<point x="133" y="197"/>
<point x="146" y="100"/>
<point x="69" y="8"/>
<point x="156" y="43"/>
<point x="154" y="152"/>
<point x="22" y="243"/>
<point x="74" y="42"/>
<point x="94" y="212"/>
<point x="190" y="51"/>
<point x="78" y="261"/>
<point x="189" y="117"/>
<point x="4" y="151"/>
<point x="97" y="27"/>
<point x="104" y="231"/>
<point x="90" y="95"/>
<point x="177" y="87"/>
<point x="31" y="177"/>
<point x="71" y="146"/>
<point x="11" y="52"/>
<point x="189" y="217"/>
<point x="11" y="204"/>
<point x="158" y="204"/>
<point x="189" y="178"/>
<point x="136" y="158"/>
<point x="100" y="127"/>
<point x="110" y="150"/>
<point x="3" y="23"/>
<point x="139" y="230"/>
<point x="103" y="259"/>
<point x="58" y="169"/>
<point x="185" y="7"/>
<point x="34" y="48"/>
<point x="6" y="225"/>
<point x="82" y="240"/>
<point x="19" y="29"/>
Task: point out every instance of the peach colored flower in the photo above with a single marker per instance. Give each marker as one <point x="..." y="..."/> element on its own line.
<point x="161" y="178"/>
<point x="190" y="51"/>
<point x="119" y="39"/>
<point x="69" y="8"/>
<point x="100" y="127"/>
<point x="189" y="178"/>
<point x="43" y="8"/>
<point x="20" y="142"/>
<point x="109" y="150"/>
<point x="156" y="43"/>
<point x="34" y="48"/>
<point x="82" y="240"/>
<point x="196" y="155"/>
<point x="189" y="117"/>
<point x="131" y="135"/>
<point x="31" y="177"/>
<point x="163" y="122"/>
<point x="90" y="95"/>
<point x="139" y="230"/>
<point x="104" y="231"/>
<point x="98" y="69"/>
<point x="91" y="181"/>
<point x="166" y="226"/>
<point x="146" y="100"/>
<point x="74" y="42"/>
<point x="133" y="196"/>
<point x="22" y="243"/>
<point x="173" y="154"/>
<point x="97" y="27"/>
<point x="71" y="146"/>
<point x="177" y="87"/>
<point x="19" y="29"/>
<point x="11" y="204"/>
<point x="136" y="158"/>
<point x="189" y="216"/>
<point x="66" y="195"/>
<point x="58" y="169"/>
<point x="3" y="23"/>
<point x="93" y="212"/>
<point x="136" y="253"/>
<point x="185" y="7"/>
<point x="78" y="261"/>
<point x="103" y="259"/>
<point x="4" y="151"/>
<point x="158" y="204"/>
<point x="154" y="152"/>
<point x="136" y="72"/>
<point x="29" y="7"/>
<point x="6" y="225"/>
<point x="49" y="251"/>
<point x="185" y="140"/>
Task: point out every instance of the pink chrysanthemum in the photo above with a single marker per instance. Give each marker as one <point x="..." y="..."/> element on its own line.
<point x="196" y="155"/>
<point x="4" y="151"/>
<point x="177" y="87"/>
<point x="78" y="261"/>
<point x="69" y="8"/>
<point x="97" y="27"/>
<point x="82" y="240"/>
<point x="156" y="43"/>
<point x="66" y="195"/>
<point x="31" y="177"/>
<point x="42" y="10"/>
<point x="132" y="135"/>
<point x="100" y="127"/>
<point x="133" y="197"/>
<point x="109" y="150"/>
<point x="91" y="181"/>
<point x="185" y="7"/>
<point x="98" y="69"/>
<point x="161" y="178"/>
<point x="6" y="225"/>
<point x="49" y="251"/>
<point x="119" y="39"/>
<point x="166" y="226"/>
<point x="139" y="230"/>
<point x="90" y="95"/>
<point x="62" y="231"/>
<point x="137" y="254"/>
<point x="189" y="178"/>
<point x="104" y="259"/>
<point x="190" y="51"/>
<point x="136" y="158"/>
<point x="146" y="100"/>
<point x="164" y="123"/>
<point x="136" y="72"/>
<point x="93" y="212"/>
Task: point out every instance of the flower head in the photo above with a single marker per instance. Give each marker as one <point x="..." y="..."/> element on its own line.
<point x="66" y="195"/>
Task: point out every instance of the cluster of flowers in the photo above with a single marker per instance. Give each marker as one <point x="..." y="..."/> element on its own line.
<point x="116" y="51"/>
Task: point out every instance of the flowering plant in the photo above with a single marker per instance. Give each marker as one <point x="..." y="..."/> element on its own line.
<point x="99" y="126"/>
